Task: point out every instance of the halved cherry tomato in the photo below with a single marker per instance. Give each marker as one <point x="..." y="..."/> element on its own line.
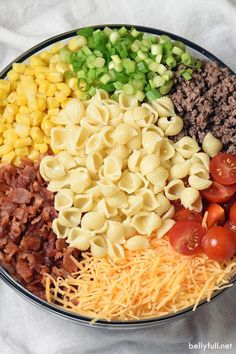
<point x="216" y="215"/>
<point x="227" y="205"/>
<point x="186" y="237"/>
<point x="232" y="214"/>
<point x="219" y="243"/>
<point x="217" y="193"/>
<point x="186" y="214"/>
<point x="223" y="168"/>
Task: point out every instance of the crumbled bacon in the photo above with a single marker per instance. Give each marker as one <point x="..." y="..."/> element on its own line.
<point x="28" y="247"/>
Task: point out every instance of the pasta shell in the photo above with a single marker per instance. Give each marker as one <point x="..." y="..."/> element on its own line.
<point x="202" y="158"/>
<point x="71" y="113"/>
<point x="127" y="101"/>
<point x="146" y="222"/>
<point x="151" y="142"/>
<point x="180" y="170"/>
<point x="137" y="243"/>
<point x="97" y="113"/>
<point x="116" y="232"/>
<point x="164" y="106"/>
<point x="50" y="169"/>
<point x="93" y="220"/>
<point x="69" y="217"/>
<point x="187" y="147"/>
<point x="118" y="200"/>
<point x="199" y="183"/>
<point x="167" y="150"/>
<point x="84" y="202"/>
<point x="211" y="145"/>
<point x="149" y="202"/>
<point x="93" y="162"/>
<point x="112" y="168"/>
<point x="158" y="176"/>
<point x="135" y="143"/>
<point x="106" y="133"/>
<point x="79" y="238"/>
<point x="65" y="160"/>
<point x="105" y="208"/>
<point x="79" y="179"/>
<point x="174" y="189"/>
<point x="135" y="204"/>
<point x="115" y="250"/>
<point x="82" y="135"/>
<point x="64" y="199"/>
<point x="165" y="227"/>
<point x="107" y="188"/>
<point x="191" y="199"/>
<point x="149" y="163"/>
<point x="61" y="231"/>
<point x="129" y="182"/>
<point x="123" y="133"/>
<point x="163" y="204"/>
<point x="171" y="126"/>
<point x="134" y="161"/>
<point x="94" y="143"/>
<point x="98" y="247"/>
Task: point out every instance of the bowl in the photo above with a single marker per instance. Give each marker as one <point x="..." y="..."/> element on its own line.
<point x="197" y="51"/>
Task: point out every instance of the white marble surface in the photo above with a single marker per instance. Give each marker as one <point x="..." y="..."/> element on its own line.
<point x="25" y="329"/>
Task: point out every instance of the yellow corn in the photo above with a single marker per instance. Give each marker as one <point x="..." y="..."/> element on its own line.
<point x="29" y="89"/>
<point x="12" y="75"/>
<point x="5" y="149"/>
<point x="23" y="118"/>
<point x="40" y="75"/>
<point x="1" y="139"/>
<point x="19" y="68"/>
<point x="29" y="71"/>
<point x="22" y="142"/>
<point x="53" y="111"/>
<point x="13" y="86"/>
<point x="32" y="103"/>
<point x="26" y="79"/>
<point x="33" y="154"/>
<point x="76" y="43"/>
<point x="5" y="85"/>
<point x="22" y="151"/>
<point x="36" y="118"/>
<point x="22" y="130"/>
<point x="55" y="151"/>
<point x="60" y="96"/>
<point x="55" y="48"/>
<point x="10" y="110"/>
<point x="8" y="157"/>
<point x="43" y="87"/>
<point x="55" y="77"/>
<point x="3" y="94"/>
<point x="37" y="135"/>
<point x="41" y="102"/>
<point x="46" y="126"/>
<point x="21" y="100"/>
<point x="47" y="139"/>
<point x="10" y="119"/>
<point x="52" y="102"/>
<point x="36" y="61"/>
<point x="10" y="137"/>
<point x="42" y="148"/>
<point x="62" y="67"/>
<point x="24" y="109"/>
<point x="64" y="88"/>
<point x="51" y="90"/>
<point x="73" y="83"/>
<point x="46" y="56"/>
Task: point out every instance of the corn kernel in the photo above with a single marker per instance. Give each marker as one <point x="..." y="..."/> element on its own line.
<point x="55" y="151"/>
<point x="46" y="126"/>
<point x="41" y="102"/>
<point x="64" y="88"/>
<point x="64" y="103"/>
<point x="22" y="130"/>
<point x="10" y="119"/>
<point x="19" y="68"/>
<point x="29" y="89"/>
<point x="37" y="135"/>
<point x="40" y="75"/>
<point x="21" y="152"/>
<point x="3" y="94"/>
<point x="10" y="110"/>
<point x="52" y="102"/>
<point x="33" y="154"/>
<point x="17" y="161"/>
<point x="46" y="56"/>
<point x="5" y="149"/>
<point x="55" y="77"/>
<point x="29" y="71"/>
<point x="73" y="83"/>
<point x="36" y="61"/>
<point x="12" y="75"/>
<point x="1" y="140"/>
<point x="23" y="118"/>
<point x="32" y="103"/>
<point x="36" y="118"/>
<point x="22" y="142"/>
<point x="43" y="87"/>
<point x="47" y="139"/>
<point x="42" y="148"/>
<point x="62" y="67"/>
<point x="51" y="90"/>
<point x="52" y="66"/>
<point x="13" y="85"/>
<point x="10" y="137"/>
<point x="24" y="109"/>
<point x="76" y="43"/>
<point x="53" y="111"/>
<point x="60" y="96"/>
<point x="56" y="47"/>
<point x="21" y="100"/>
<point x="24" y="79"/>
<point x="8" y="157"/>
<point x="5" y="85"/>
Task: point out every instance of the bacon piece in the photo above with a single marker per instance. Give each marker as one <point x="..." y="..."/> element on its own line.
<point x="20" y="196"/>
<point x="23" y="270"/>
<point x="30" y="242"/>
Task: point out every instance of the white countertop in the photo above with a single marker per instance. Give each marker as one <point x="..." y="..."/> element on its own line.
<point x="25" y="329"/>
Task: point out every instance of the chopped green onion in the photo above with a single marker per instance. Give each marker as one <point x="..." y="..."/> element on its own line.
<point x="135" y="46"/>
<point x="86" y="32"/>
<point x="166" y="87"/>
<point x="114" y="37"/>
<point x="158" y="81"/>
<point x="107" y="31"/>
<point x="128" y="89"/>
<point x="81" y="74"/>
<point x="134" y="33"/>
<point x="142" y="67"/>
<point x="156" y="49"/>
<point x="177" y="51"/>
<point x="92" y="91"/>
<point x="90" y="61"/>
<point x="152" y="95"/>
<point x="122" y="31"/>
<point x="142" y="55"/>
<point x="171" y="62"/>
<point x="99" y="62"/>
<point x="86" y="51"/>
<point x="105" y="79"/>
<point x="186" y="58"/>
<point x="161" y="69"/>
<point x="64" y="55"/>
<point x="163" y="39"/>
<point x="128" y="65"/>
<point x="186" y="75"/>
<point x="108" y="87"/>
<point x="179" y="44"/>
<point x="140" y="95"/>
<point x="154" y="66"/>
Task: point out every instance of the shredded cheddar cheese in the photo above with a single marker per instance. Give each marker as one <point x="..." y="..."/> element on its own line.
<point x="146" y="284"/>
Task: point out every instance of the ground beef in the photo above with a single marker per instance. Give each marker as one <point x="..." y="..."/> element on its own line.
<point x="28" y="247"/>
<point x="207" y="103"/>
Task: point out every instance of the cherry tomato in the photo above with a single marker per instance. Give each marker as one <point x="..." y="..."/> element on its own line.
<point x="227" y="205"/>
<point x="232" y="214"/>
<point x="223" y="168"/>
<point x="186" y="237"/>
<point x="216" y="215"/>
<point x="217" y="193"/>
<point x="186" y="214"/>
<point x="230" y="227"/>
<point x="219" y="243"/>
